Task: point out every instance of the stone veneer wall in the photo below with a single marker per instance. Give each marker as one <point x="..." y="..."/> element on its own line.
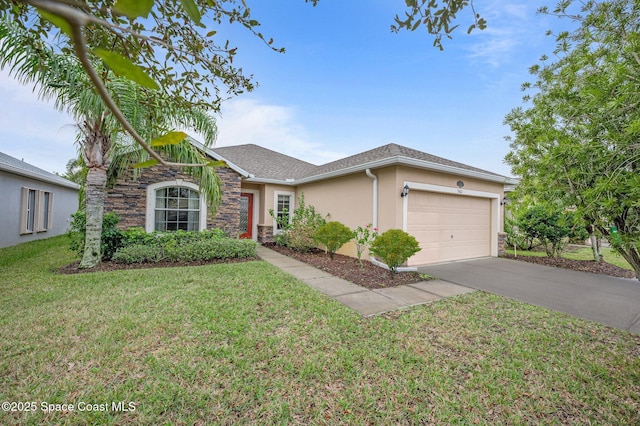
<point x="128" y="198"/>
<point x="502" y="243"/>
<point x="265" y="234"/>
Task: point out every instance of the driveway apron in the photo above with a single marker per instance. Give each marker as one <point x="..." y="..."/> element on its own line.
<point x="606" y="300"/>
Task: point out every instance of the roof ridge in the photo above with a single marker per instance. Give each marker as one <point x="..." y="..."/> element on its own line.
<point x="265" y="149"/>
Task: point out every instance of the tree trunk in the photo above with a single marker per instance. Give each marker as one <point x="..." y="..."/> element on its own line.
<point x="628" y="252"/>
<point x="595" y="246"/>
<point x="95" y="150"/>
<point x="95" y="189"/>
<point x="632" y="256"/>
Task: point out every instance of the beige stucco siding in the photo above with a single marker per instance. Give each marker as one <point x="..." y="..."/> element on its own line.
<point x="347" y="199"/>
<point x="267" y="196"/>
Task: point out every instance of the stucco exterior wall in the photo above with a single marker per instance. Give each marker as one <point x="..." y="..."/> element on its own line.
<point x="450" y="180"/>
<point x="65" y="203"/>
<point x="347" y="199"/>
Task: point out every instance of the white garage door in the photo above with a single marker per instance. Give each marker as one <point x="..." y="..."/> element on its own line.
<point x="448" y="227"/>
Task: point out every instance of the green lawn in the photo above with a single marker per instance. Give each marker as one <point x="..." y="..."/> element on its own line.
<point x="582" y="253"/>
<point x="247" y="344"/>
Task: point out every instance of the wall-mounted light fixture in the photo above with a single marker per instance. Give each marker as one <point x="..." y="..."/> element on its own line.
<point x="504" y="201"/>
<point x="405" y="191"/>
<point x="460" y="184"/>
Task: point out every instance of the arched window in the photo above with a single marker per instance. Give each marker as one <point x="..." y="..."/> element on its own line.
<point x="173" y="206"/>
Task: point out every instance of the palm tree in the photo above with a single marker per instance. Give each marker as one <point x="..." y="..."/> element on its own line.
<point x="106" y="149"/>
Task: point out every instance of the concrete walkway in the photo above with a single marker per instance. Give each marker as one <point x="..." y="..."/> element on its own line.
<point x="607" y="300"/>
<point x="366" y="302"/>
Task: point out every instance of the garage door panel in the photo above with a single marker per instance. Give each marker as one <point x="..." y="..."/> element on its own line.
<point x="449" y="227"/>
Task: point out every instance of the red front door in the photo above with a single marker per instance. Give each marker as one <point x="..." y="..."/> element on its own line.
<point x="246" y="215"/>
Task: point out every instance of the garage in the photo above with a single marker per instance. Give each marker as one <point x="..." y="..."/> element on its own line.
<point x="449" y="226"/>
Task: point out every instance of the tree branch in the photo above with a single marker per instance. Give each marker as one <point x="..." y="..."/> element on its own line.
<point x="77" y="20"/>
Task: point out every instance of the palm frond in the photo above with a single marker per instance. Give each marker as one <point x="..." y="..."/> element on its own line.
<point x="62" y="79"/>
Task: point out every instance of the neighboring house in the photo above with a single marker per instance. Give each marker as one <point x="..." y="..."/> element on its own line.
<point x="454" y="210"/>
<point x="36" y="204"/>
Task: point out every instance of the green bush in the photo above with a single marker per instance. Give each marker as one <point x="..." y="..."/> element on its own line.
<point x="139" y="253"/>
<point x="224" y="248"/>
<point x="200" y="246"/>
<point x="515" y="237"/>
<point x="110" y="238"/>
<point x="333" y="235"/>
<point x="394" y="247"/>
<point x="134" y="236"/>
<point x="552" y="227"/>
<point x="298" y="234"/>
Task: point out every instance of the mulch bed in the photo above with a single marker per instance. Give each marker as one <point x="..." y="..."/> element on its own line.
<point x="368" y="275"/>
<point x="108" y="266"/>
<point x="602" y="268"/>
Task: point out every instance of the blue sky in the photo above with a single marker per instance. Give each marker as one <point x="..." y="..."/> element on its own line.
<point x="346" y="84"/>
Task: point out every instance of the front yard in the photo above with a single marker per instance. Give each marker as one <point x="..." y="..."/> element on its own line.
<point x="246" y="343"/>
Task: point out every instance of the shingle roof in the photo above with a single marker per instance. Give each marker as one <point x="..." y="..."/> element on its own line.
<point x="390" y="151"/>
<point x="264" y="163"/>
<point x="13" y="165"/>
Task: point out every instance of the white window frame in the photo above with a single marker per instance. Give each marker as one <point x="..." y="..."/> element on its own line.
<point x="150" y="221"/>
<point x="292" y="206"/>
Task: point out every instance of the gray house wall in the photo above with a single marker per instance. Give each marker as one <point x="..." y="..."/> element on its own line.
<point x="65" y="203"/>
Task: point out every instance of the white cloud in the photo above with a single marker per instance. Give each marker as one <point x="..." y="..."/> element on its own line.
<point x="511" y="28"/>
<point x="31" y="129"/>
<point x="275" y="127"/>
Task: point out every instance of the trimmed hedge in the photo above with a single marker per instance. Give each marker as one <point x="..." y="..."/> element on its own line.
<point x="181" y="246"/>
<point x="139" y="253"/>
<point x="138" y="236"/>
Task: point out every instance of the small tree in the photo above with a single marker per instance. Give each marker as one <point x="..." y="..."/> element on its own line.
<point x="298" y="234"/>
<point x="394" y="247"/>
<point x="333" y="235"/>
<point x="363" y="238"/>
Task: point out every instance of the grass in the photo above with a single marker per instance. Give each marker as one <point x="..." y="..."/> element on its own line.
<point x="249" y="344"/>
<point x="582" y="253"/>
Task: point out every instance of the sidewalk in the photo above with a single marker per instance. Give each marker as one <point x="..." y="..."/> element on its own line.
<point x="366" y="302"/>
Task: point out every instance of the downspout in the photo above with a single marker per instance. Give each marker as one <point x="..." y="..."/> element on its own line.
<point x="375" y="196"/>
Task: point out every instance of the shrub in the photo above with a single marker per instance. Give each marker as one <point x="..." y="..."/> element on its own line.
<point x="552" y="227"/>
<point x="133" y="236"/>
<point x="282" y="239"/>
<point x="223" y="248"/>
<point x="394" y="247"/>
<point x="298" y="234"/>
<point x="197" y="246"/>
<point x="139" y="253"/>
<point x="516" y="238"/>
<point x="110" y="238"/>
<point x="333" y="235"/>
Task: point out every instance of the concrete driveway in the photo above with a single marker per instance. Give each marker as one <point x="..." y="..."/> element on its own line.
<point x="606" y="300"/>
